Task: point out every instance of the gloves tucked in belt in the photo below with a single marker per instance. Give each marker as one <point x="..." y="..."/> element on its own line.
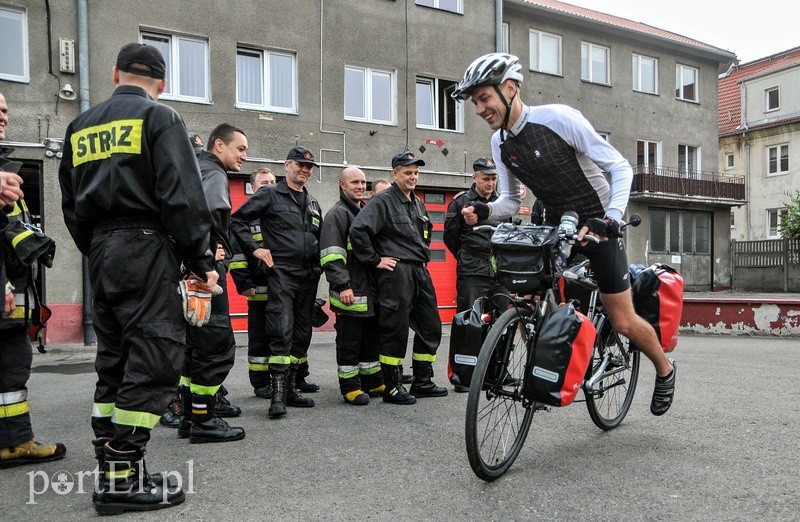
<point x="196" y="302"/>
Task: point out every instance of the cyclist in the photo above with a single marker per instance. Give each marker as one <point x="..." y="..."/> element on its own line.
<point x="555" y="151"/>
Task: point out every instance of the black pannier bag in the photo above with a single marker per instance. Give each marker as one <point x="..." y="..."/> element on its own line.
<point x="558" y="361"/>
<point x="466" y="338"/>
<point x="521" y="256"/>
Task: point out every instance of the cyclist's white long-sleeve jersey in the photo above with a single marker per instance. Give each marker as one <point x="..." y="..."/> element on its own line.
<point x="557" y="154"/>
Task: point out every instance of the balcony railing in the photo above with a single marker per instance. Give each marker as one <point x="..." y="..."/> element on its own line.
<point x="680" y="182"/>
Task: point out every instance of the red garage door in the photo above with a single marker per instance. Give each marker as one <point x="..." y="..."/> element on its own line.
<point x="238" y="303"/>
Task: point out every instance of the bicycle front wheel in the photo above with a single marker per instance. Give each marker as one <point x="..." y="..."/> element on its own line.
<point x="615" y="371"/>
<point x="498" y="419"/>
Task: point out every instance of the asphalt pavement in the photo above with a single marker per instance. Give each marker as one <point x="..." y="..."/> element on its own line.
<point x="727" y="450"/>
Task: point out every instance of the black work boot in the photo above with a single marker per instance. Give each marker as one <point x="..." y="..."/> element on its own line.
<point x="223" y="407"/>
<point x="423" y="386"/>
<point x="293" y="397"/>
<point x="395" y="392"/>
<point x="125" y="486"/>
<point x="278" y="406"/>
<point x="206" y="427"/>
<point x="99" y="453"/>
<point x="172" y="415"/>
<point x="372" y="383"/>
<point x="185" y="424"/>
<point x="300" y="381"/>
<point x="264" y="392"/>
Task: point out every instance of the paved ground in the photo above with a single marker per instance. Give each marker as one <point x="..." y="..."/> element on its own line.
<point x="727" y="450"/>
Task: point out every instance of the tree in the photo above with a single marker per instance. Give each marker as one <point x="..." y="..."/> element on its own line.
<point x="790" y="225"/>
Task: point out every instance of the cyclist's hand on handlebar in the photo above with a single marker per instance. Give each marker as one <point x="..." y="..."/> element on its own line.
<point x="603" y="228"/>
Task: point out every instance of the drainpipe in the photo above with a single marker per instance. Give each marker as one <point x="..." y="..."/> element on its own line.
<point x="498" y="25"/>
<point x="321" y="91"/>
<point x="748" y="182"/>
<point x="89" y="337"/>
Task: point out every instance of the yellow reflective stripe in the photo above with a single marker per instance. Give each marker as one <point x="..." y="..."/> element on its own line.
<point x="302" y="360"/>
<point x="204" y="390"/>
<point x="258" y="237"/>
<point x="101" y="141"/>
<point x="19" y="237"/>
<point x="12" y="410"/>
<point x="280" y="359"/>
<point x="17" y="210"/>
<point x="121" y="474"/>
<point x="330" y="258"/>
<point x="258" y="297"/>
<point x="102" y="409"/>
<point x="347" y="372"/>
<point x="392" y="361"/>
<point x="426" y="357"/>
<point x="294" y="360"/>
<point x="355" y="307"/>
<point x="370" y="370"/>
<point x="18" y="313"/>
<point x="253" y="367"/>
<point x="238" y="265"/>
<point x="185" y="381"/>
<point x="349" y="246"/>
<point x="140" y="419"/>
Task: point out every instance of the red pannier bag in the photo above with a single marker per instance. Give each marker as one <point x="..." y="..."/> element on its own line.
<point x="560" y="357"/>
<point x="658" y="298"/>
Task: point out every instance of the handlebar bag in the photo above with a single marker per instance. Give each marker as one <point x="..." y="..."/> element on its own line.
<point x="466" y="338"/>
<point x="658" y="298"/>
<point x="559" y="359"/>
<point x="521" y="256"/>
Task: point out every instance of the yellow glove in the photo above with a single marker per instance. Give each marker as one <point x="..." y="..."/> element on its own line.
<point x="196" y="303"/>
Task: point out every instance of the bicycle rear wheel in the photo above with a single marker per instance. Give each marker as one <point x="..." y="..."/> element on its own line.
<point x="609" y="397"/>
<point x="498" y="419"/>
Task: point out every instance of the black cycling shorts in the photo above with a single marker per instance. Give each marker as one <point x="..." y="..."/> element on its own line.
<point x="609" y="265"/>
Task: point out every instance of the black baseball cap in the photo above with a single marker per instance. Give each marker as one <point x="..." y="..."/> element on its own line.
<point x="144" y="55"/>
<point x="301" y="154"/>
<point x="197" y="142"/>
<point x="406" y="158"/>
<point x="485" y="165"/>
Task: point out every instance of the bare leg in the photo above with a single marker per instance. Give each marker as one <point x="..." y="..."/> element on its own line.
<point x="625" y="321"/>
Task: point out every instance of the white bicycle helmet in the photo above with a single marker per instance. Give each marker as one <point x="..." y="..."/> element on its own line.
<point x="489" y="69"/>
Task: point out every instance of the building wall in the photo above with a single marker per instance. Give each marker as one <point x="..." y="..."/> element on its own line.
<point x="754" y="106"/>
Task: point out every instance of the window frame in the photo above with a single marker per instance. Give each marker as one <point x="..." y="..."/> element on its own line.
<point x="637" y="73"/>
<point x="730" y="161"/>
<point x="368" y="75"/>
<point x="780" y="215"/>
<point x="506" y="38"/>
<point x="658" y="157"/>
<point x="26" y="76"/>
<point x="679" y="83"/>
<point x="698" y="157"/>
<point x="437" y="4"/>
<point x="778" y="171"/>
<point x="173" y="74"/>
<point x="434" y="83"/>
<point x="767" y="92"/>
<point x="266" y="76"/>
<point x="591" y="47"/>
<point x="539" y="36"/>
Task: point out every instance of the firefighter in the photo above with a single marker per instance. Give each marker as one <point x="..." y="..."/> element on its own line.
<point x="392" y="234"/>
<point x="352" y="295"/>
<point x="210" y="350"/>
<point x="133" y="202"/>
<point x="17" y="445"/>
<point x="379" y="185"/>
<point x="251" y="282"/>
<point x="289" y="254"/>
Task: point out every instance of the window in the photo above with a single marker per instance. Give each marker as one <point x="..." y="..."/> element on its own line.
<point x="777" y="160"/>
<point x="772" y="99"/>
<point x="436" y="109"/>
<point x="14" y="43"/>
<point x="645" y="74"/>
<point x="266" y="80"/>
<point x="369" y="95"/>
<point x="506" y="31"/>
<point x="595" y="63"/>
<point x="733" y="219"/>
<point x="603" y="135"/>
<point x="454" y="6"/>
<point x="688" y="160"/>
<point x="680" y="232"/>
<point x="775" y="218"/>
<point x="648" y="156"/>
<point x="545" y="52"/>
<point x="729" y="161"/>
<point x="686" y="83"/>
<point x="187" y="66"/>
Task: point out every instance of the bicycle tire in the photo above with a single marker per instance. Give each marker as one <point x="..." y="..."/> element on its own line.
<point x="490" y="461"/>
<point x="610" y="399"/>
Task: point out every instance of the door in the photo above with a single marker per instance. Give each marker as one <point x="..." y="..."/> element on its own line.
<point x="238" y="303"/>
<point x="443" y="265"/>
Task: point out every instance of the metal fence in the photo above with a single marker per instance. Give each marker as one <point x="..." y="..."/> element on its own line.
<point x="680" y="182"/>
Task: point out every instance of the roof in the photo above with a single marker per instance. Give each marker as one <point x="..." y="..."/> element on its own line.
<point x="624" y="23"/>
<point x="729" y="115"/>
